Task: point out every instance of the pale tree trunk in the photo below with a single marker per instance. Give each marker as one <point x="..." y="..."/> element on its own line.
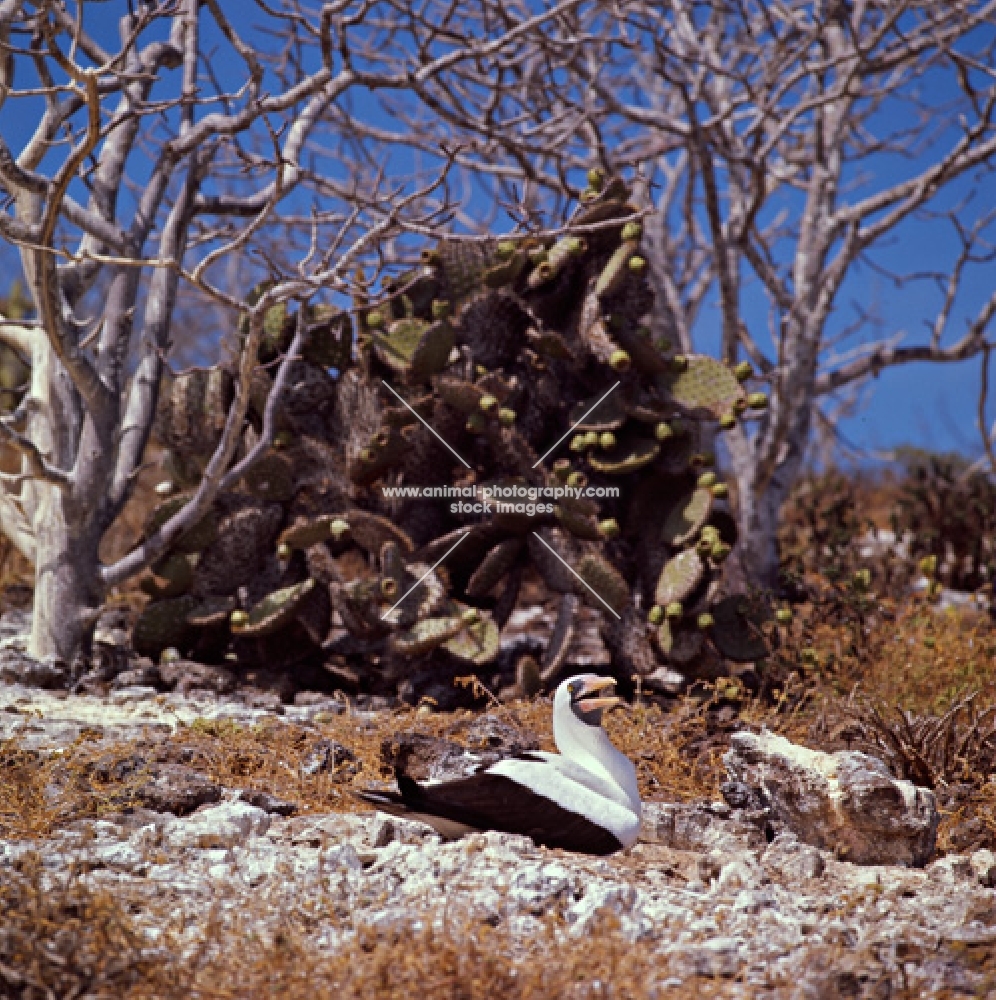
<point x="68" y="592"/>
<point x="148" y="122"/>
<point x="756" y="559"/>
<point x="63" y="517"/>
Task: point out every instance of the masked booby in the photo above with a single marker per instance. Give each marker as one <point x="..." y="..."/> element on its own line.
<point x="583" y="799"/>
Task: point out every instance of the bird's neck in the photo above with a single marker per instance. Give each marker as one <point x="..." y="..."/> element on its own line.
<point x="591" y="747"/>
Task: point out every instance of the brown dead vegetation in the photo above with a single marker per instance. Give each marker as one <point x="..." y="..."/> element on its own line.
<point x="855" y="669"/>
<point x="69" y="933"/>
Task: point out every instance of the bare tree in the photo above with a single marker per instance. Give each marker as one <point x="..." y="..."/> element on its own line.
<point x="788" y="146"/>
<point x="784" y="144"/>
<point x="151" y="164"/>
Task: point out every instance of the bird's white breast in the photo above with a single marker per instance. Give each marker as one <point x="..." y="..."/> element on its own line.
<point x="578" y="790"/>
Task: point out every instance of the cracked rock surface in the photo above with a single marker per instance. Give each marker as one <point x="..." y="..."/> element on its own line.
<point x="712" y="890"/>
<point x="847" y="802"/>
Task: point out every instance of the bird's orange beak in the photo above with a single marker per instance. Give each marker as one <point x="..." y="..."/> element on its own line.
<point x="588" y="700"/>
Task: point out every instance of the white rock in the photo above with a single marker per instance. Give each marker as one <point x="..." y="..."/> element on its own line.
<point x="259" y="867"/>
<point x="601" y="900"/>
<point x="149" y="835"/>
<point x="758" y="913"/>
<point x="847" y="802"/>
<point x="984" y="866"/>
<point x="717" y="957"/>
<point x="126" y="695"/>
<point x="744" y="873"/>
<point x="121" y="857"/>
<point x="693" y="827"/>
<point x="103" y="830"/>
<point x="538" y="888"/>
<point x="792" y="860"/>
<point x="754" y="900"/>
<point x="951" y="868"/>
<point x="225" y="825"/>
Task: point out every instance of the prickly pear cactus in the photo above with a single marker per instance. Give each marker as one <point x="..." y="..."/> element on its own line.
<point x="518" y="375"/>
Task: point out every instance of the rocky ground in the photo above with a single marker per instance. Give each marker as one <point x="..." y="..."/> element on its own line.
<point x="705" y="892"/>
<point x="816" y="877"/>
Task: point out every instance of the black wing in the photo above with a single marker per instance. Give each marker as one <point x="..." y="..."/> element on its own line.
<point x="488" y="801"/>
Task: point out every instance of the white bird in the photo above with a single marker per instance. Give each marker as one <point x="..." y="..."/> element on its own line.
<point x="583" y="799"/>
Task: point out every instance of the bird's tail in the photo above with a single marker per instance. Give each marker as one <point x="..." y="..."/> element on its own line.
<point x="389" y="802"/>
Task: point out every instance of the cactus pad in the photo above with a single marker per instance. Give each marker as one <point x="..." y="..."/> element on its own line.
<point x="616" y="271"/>
<point x="477" y="643"/>
<point x="605" y="580"/>
<point x="687" y="516"/>
<point x="425" y="635"/>
<point x="628" y="641"/>
<point x="275" y="611"/>
<point x="494" y="341"/>
<point x="493" y="325"/>
<point x="645" y="356"/>
<point x="630" y="454"/>
<point x="163" y="624"/>
<point x="211" y="612"/>
<point x="737" y="630"/>
<point x="234" y="559"/>
<point x="608" y="415"/>
<point x="421" y="594"/>
<point x="559" y="643"/>
<point x="392" y="565"/>
<point x="679" y="645"/>
<point x="464" y="265"/>
<point x="706" y="387"/>
<point x="193" y="408"/>
<point x="494" y="566"/>
<point x="328" y="338"/>
<point x="311" y="531"/>
<point x="415" y="348"/>
<point x="465" y="397"/>
<point x="592" y="329"/>
<point x="676" y="453"/>
<point x="271" y="479"/>
<point x="579" y="523"/>
<point x="369" y="531"/>
<point x="549" y="566"/>
<point x="550" y="344"/>
<point x="679" y="578"/>
<point x="384" y="450"/>
<point x="171" y="576"/>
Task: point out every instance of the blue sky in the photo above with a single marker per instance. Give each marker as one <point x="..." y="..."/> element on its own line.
<point x="933" y="406"/>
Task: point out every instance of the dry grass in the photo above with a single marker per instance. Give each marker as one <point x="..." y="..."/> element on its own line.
<point x="919" y="661"/>
<point x="66" y="938"/>
<point x="56" y="936"/>
<point x="844" y="650"/>
<point x="60" y="938"/>
<point x="458" y="960"/>
<point x="677" y="754"/>
<point x="857" y="657"/>
<point x="24" y="775"/>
